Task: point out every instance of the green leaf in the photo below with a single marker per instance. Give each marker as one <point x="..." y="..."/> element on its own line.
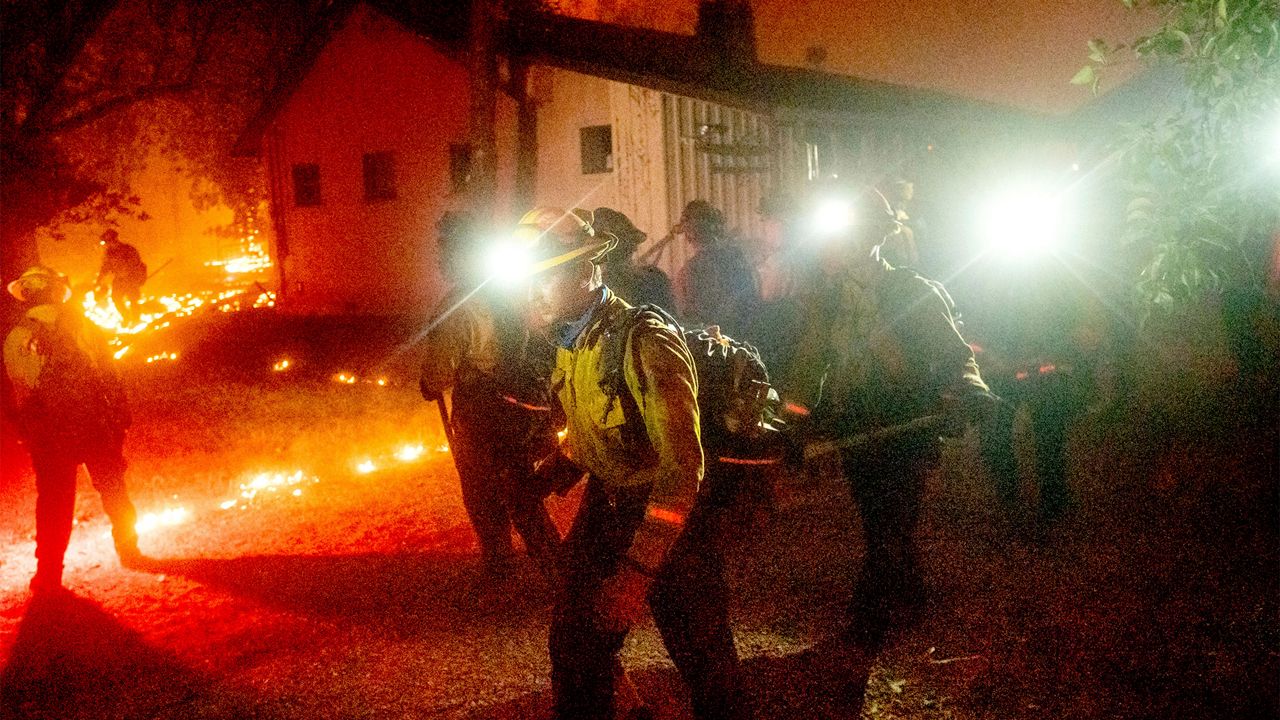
<point x="1222" y="12"/>
<point x="1098" y="51"/>
<point x="1086" y="76"/>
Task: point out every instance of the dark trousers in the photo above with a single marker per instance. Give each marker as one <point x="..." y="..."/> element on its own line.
<point x="55" y="469"/>
<point x="498" y="493"/>
<point x="1054" y="403"/>
<point x="689" y="600"/>
<point x="887" y="481"/>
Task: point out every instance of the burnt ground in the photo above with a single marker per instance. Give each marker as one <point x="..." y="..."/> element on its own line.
<point x="360" y="597"/>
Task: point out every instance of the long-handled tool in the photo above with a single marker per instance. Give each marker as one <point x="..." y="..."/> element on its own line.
<point x="444" y="418"/>
<point x="855" y="442"/>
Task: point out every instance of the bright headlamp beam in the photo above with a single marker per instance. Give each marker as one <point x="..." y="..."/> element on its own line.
<point x="1022" y="223"/>
<point x="831" y="217"/>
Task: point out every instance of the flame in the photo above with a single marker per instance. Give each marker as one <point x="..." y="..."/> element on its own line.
<point x="267" y="482"/>
<point x="562" y="434"/>
<point x="170" y="356"/>
<point x="345" y="378"/>
<point x="410" y="453"/>
<point x="165" y="518"/>
<point x="365" y="467"/>
<point x="382" y="382"/>
<point x="282" y="365"/>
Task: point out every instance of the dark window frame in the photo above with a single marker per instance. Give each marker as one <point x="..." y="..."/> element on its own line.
<point x="460" y="159"/>
<point x="306" y="185"/>
<point x="379" y="173"/>
<point x="596" y="149"/>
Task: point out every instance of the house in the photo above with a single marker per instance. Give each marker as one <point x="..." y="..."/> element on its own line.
<point x="365" y="144"/>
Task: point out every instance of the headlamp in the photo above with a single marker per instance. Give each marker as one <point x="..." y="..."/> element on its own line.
<point x="1023" y="223"/>
<point x="831" y="217"/>
<point x="509" y="261"/>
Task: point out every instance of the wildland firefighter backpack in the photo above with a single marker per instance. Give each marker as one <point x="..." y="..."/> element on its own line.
<point x="72" y="401"/>
<point x="735" y="400"/>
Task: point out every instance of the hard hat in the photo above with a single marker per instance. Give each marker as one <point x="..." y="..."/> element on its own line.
<point x="41" y="284"/>
<point x="705" y="216"/>
<point x="611" y="222"/>
<point x="860" y="212"/>
<point x="556" y="237"/>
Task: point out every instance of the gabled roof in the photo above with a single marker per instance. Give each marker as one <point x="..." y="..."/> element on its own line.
<point x="448" y="27"/>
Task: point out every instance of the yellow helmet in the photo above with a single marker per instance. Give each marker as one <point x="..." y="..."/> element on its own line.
<point x="40" y="283"/>
<point x="556" y="236"/>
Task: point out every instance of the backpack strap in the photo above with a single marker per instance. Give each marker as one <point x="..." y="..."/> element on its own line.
<point x="613" y="380"/>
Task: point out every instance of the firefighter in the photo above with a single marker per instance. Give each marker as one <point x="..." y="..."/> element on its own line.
<point x="637" y="284"/>
<point x="123" y="273"/>
<point x="717" y="284"/>
<point x="881" y="354"/>
<point x="643" y="532"/>
<point x="71" y="410"/>
<point x="497" y="428"/>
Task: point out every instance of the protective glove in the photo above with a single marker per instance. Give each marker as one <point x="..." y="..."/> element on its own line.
<point x="557" y="474"/>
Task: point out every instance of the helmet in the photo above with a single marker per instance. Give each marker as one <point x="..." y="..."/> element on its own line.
<point x="702" y="215"/>
<point x="556" y="237"/>
<point x="608" y="221"/>
<point x="858" y="212"/>
<point x="40" y="284"/>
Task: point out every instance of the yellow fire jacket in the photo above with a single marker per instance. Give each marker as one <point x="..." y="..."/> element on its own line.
<point x="666" y="452"/>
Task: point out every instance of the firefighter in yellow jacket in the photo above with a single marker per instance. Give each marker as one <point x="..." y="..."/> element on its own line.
<point x="71" y="410"/>
<point x="643" y="533"/>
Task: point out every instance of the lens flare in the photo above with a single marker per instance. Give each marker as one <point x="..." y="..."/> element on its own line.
<point x="1023" y="223"/>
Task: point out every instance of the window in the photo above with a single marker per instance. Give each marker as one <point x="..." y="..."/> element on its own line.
<point x="379" y="176"/>
<point x="597" y="149"/>
<point x="306" y="185"/>
<point x="459" y="167"/>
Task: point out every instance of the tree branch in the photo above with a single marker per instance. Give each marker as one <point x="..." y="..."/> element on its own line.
<point x="119" y="102"/>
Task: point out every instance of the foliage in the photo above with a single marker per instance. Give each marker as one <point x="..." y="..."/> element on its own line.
<point x="1202" y="182"/>
<point x="93" y="87"/>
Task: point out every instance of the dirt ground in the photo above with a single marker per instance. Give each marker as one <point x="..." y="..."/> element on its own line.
<point x="314" y="568"/>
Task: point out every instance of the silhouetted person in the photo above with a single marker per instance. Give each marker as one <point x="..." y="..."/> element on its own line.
<point x="477" y="351"/>
<point x="718" y="284"/>
<point x="71" y="410"/>
<point x="880" y="354"/>
<point x="901" y="250"/>
<point x="637" y="284"/>
<point x="123" y="272"/>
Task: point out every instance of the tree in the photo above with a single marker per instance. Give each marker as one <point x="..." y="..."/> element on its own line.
<point x="91" y="86"/>
<point x="1202" y="183"/>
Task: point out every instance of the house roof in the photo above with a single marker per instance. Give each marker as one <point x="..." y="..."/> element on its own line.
<point x="447" y="23"/>
<point x="699" y="66"/>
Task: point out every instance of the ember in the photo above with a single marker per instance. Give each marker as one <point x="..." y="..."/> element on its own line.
<point x="268" y="483"/>
<point x="282" y="365"/>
